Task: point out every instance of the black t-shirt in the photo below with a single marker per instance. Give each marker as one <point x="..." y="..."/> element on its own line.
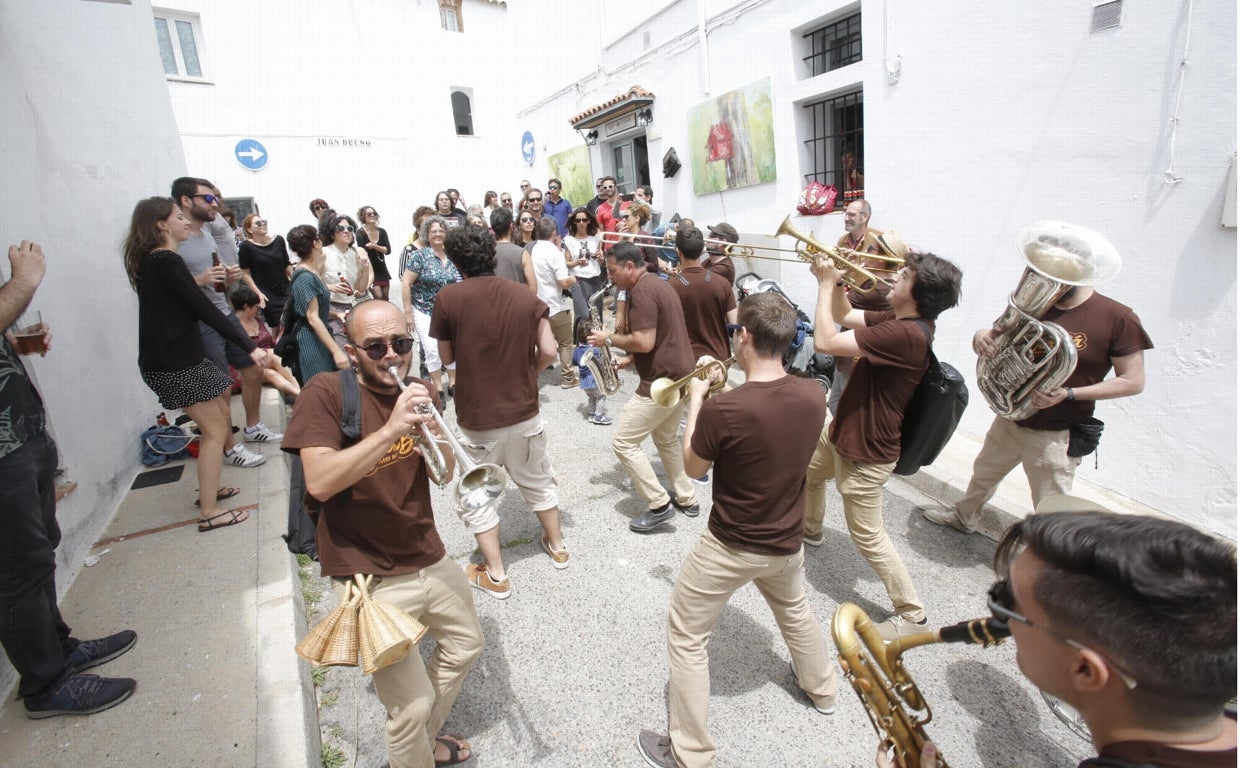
<point x="267" y="264"/>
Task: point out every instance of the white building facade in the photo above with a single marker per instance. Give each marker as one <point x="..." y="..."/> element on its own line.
<point x="969" y="122"/>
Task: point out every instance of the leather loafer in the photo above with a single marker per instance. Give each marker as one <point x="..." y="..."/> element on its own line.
<point x="653" y="518"/>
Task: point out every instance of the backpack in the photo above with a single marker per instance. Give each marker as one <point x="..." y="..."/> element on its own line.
<point x="932" y="413"/>
<point x="286" y="348"/>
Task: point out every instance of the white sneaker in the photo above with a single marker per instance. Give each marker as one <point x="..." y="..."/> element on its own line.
<point x="240" y="456"/>
<point x="260" y="434"/>
<point x="898" y="626"/>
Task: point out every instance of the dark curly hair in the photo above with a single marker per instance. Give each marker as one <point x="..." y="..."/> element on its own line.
<point x="301" y="239"/>
<point x="938" y="284"/>
<point x="328" y="223"/>
<point x="472" y="249"/>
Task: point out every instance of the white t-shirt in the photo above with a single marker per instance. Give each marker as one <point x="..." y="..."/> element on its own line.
<point x="549" y="266"/>
<point x="591" y="244"/>
<point x="341" y="263"/>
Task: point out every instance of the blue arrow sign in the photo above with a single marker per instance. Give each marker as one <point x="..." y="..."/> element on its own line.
<point x="251" y="154"/>
<point x="527" y="148"/>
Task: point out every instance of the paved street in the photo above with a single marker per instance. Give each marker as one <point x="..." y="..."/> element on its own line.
<point x="576" y="662"/>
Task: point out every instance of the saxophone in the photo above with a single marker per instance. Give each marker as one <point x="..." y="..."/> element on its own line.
<point x="601" y="366"/>
<point x="890" y="697"/>
<point x="1034" y="355"/>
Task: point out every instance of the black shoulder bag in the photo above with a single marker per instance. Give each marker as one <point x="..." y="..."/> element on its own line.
<point x="931" y="416"/>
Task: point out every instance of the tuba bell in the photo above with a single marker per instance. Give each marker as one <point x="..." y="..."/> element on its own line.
<point x="1033" y="355"/>
<point x="602" y="367"/>
<point x="876" y="672"/>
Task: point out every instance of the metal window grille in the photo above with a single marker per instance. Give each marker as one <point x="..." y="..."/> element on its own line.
<point x="1106" y="15"/>
<point x="836" y="125"/>
<point x="835" y="45"/>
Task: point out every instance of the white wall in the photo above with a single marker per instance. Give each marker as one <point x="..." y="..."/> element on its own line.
<point x="87" y="131"/>
<point x="287" y="74"/>
<point x="1003" y="114"/>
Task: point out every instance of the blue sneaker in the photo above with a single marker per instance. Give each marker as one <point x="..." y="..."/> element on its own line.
<point x="80" y="695"/>
<point x="92" y="653"/>
<point x="703" y="481"/>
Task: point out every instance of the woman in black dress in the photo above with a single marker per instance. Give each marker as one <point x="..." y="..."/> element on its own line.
<point x="373" y="240"/>
<point x="265" y="265"/>
<point x="171" y="355"/>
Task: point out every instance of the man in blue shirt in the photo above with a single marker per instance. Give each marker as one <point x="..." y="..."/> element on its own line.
<point x="557" y="207"/>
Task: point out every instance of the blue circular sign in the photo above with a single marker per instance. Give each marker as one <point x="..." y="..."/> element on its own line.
<point x="527" y="148"/>
<point x="251" y="154"/>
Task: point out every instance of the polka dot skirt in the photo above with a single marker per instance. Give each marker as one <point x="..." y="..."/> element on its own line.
<point x="178" y="389"/>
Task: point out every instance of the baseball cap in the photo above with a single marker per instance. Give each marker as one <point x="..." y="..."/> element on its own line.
<point x="724" y="231"/>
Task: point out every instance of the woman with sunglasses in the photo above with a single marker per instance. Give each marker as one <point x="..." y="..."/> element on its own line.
<point x="373" y="240"/>
<point x="310" y="304"/>
<point x="426" y="272"/>
<point x="245" y="307"/>
<point x="585" y="260"/>
<point x="347" y="271"/>
<point x="524" y="233"/>
<point x="265" y="267"/>
<point x="171" y="355"/>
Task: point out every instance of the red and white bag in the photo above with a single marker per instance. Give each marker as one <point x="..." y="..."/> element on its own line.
<point x="817" y="199"/>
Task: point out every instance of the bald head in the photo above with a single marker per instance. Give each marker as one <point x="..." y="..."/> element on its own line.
<point x="368" y="315"/>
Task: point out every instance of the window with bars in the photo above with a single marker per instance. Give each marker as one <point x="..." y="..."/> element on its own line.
<point x="834" y="45"/>
<point x="178" y="35"/>
<point x="450" y="15"/>
<point x="835" y="146"/>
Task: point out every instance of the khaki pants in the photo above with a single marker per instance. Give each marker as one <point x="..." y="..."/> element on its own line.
<point x="640" y="418"/>
<point x="1042" y="453"/>
<point x="709" y="576"/>
<point x="861" y="488"/>
<point x="562" y="330"/>
<point x="417" y="697"/>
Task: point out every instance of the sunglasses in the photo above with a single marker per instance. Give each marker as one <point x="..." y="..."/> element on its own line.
<point x="1001" y="602"/>
<point x="609" y="186"/>
<point x="525" y="186"/>
<point x="260" y="222"/>
<point x="345" y="228"/>
<point x="526" y="220"/>
<point x="581" y="220"/>
<point x="535" y="199"/>
<point x="370" y="213"/>
<point x="209" y="199"/>
<point x="733" y="328"/>
<point x="552" y="188"/>
<point x="379" y="349"/>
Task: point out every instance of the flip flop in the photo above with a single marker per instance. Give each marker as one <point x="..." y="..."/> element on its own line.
<point x="220" y="495"/>
<point x="454" y="744"/>
<point x="235" y="516"/>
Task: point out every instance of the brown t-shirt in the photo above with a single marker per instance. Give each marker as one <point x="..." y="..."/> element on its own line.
<point x="706" y="298"/>
<point x="1163" y="756"/>
<point x="493" y="326"/>
<point x="1101" y="329"/>
<point x="384" y="524"/>
<point x="721" y="264"/>
<point x="894" y="358"/>
<point x="654" y="304"/>
<point x="871" y="301"/>
<point x="760" y="436"/>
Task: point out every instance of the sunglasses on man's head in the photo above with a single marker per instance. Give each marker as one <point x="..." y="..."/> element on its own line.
<point x="377" y="350"/>
<point x="345" y="228"/>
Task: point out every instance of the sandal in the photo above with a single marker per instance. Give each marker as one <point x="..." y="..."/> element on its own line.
<point x="220" y="495"/>
<point x="455" y="745"/>
<point x="234" y="516"/>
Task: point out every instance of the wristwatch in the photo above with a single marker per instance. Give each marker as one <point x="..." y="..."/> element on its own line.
<point x="1071" y="394"/>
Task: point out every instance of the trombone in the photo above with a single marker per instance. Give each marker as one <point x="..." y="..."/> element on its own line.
<point x="666" y="393"/>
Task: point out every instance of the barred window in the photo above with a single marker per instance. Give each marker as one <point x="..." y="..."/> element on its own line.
<point x="833" y="46"/>
<point x="836" y="143"/>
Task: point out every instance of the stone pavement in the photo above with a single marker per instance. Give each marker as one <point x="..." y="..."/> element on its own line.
<point x="575" y="662"/>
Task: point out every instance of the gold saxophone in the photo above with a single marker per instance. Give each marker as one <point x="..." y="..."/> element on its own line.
<point x="601" y="366"/>
<point x="896" y="707"/>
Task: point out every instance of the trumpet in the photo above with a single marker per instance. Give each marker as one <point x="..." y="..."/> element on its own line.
<point x="666" y="393"/>
<point x="858" y="277"/>
<point x="481" y="484"/>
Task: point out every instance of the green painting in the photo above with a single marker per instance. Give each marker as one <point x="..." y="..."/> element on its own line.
<point x="572" y="168"/>
<point x="732" y="140"/>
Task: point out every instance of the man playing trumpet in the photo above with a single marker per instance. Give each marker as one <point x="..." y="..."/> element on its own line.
<point x="862" y="445"/>
<point x="652" y="330"/>
<point x="761" y="435"/>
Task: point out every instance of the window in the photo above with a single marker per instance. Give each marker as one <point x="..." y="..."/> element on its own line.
<point x="833" y="46"/>
<point x="836" y="147"/>
<point x="462" y="113"/>
<point x="179" y="35"/>
<point x="450" y="15"/>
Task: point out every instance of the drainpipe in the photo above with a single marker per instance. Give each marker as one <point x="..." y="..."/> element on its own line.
<point x="702" y="46"/>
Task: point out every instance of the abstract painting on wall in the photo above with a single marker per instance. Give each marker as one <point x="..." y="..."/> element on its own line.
<point x="732" y="139"/>
<point x="572" y="168"/>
